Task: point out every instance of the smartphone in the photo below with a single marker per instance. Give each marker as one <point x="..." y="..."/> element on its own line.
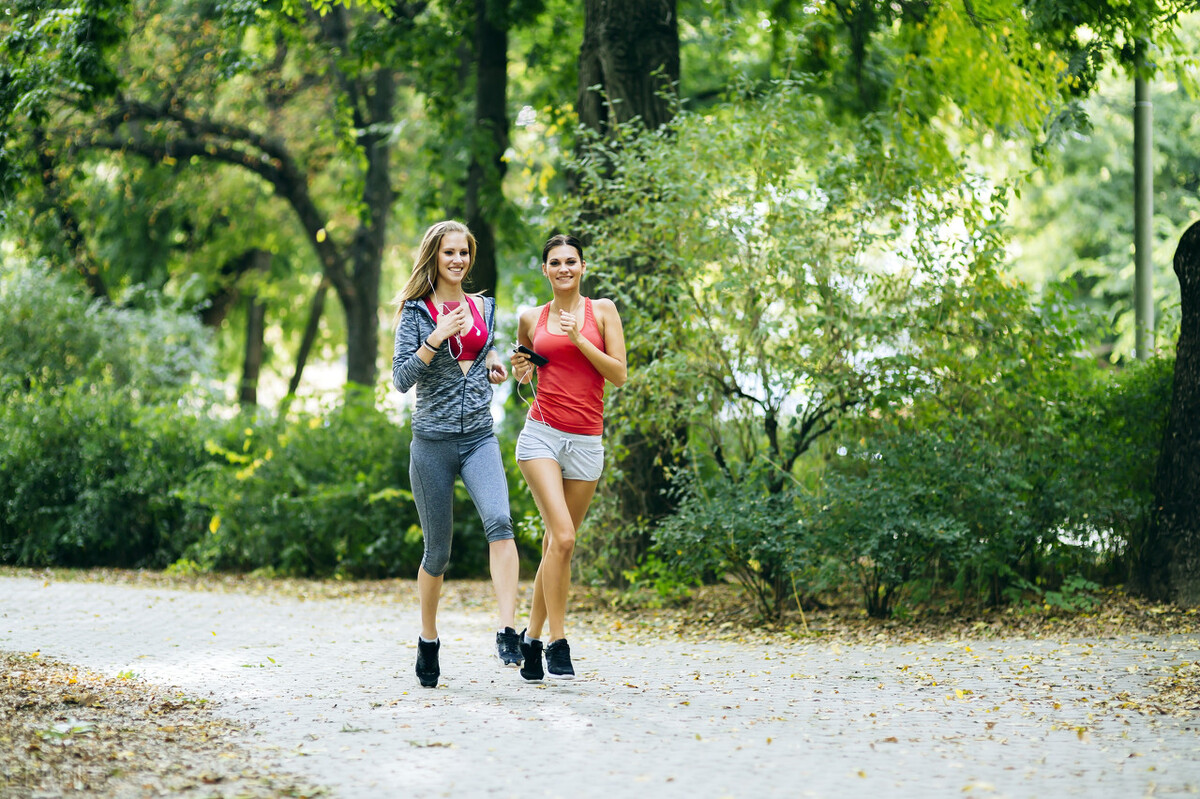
<point x="534" y="358"/>
<point x="449" y="305"/>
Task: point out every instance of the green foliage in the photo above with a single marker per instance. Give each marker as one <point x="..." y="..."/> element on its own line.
<point x="1075" y="222"/>
<point x="100" y="421"/>
<point x="943" y="504"/>
<point x="1089" y="32"/>
<point x="670" y="584"/>
<point x="741" y="528"/>
<point x="1027" y="496"/>
<point x="311" y="495"/>
<point x="53" y="336"/>
<point x="818" y="260"/>
<point x="53" y="50"/>
<point x="1119" y="425"/>
<point x="89" y="478"/>
<point x="888" y="519"/>
<point x="1075" y="594"/>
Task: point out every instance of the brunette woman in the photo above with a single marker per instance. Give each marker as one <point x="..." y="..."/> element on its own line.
<point x="560" y="451"/>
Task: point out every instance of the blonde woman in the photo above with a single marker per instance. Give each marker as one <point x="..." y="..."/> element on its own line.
<point x="444" y="347"/>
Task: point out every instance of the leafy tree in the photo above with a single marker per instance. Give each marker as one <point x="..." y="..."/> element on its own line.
<point x="1073" y="222"/>
<point x="789" y="267"/>
<point x="236" y="84"/>
<point x="628" y="72"/>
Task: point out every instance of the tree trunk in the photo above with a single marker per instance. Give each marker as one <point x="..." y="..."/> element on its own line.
<point x="1174" y="537"/>
<point x="315" y="309"/>
<point x="630" y="51"/>
<point x="628" y="68"/>
<point x="256" y="326"/>
<point x="485" y="175"/>
<point x="371" y="96"/>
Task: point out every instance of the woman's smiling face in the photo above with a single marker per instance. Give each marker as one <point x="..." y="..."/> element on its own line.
<point x="563" y="267"/>
<point x="453" y="259"/>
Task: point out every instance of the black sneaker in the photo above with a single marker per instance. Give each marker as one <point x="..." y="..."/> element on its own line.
<point x="531" y="669"/>
<point x="428" y="670"/>
<point x="508" y="647"/>
<point x="558" y="661"/>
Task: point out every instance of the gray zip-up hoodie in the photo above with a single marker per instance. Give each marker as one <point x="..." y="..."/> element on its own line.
<point x="449" y="403"/>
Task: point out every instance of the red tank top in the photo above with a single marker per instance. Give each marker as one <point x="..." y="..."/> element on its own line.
<point x="468" y="347"/>
<point x="570" y="392"/>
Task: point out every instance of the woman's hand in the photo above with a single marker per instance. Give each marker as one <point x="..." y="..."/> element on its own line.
<point x="496" y="372"/>
<point x="522" y="368"/>
<point x="570" y="326"/>
<point x="452" y="323"/>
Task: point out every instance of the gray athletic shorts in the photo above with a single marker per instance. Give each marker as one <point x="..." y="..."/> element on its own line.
<point x="580" y="457"/>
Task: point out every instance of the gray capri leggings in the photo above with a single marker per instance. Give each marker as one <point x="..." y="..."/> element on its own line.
<point x="432" y="466"/>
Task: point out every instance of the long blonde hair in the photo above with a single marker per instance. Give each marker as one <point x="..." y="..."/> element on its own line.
<point x="424" y="272"/>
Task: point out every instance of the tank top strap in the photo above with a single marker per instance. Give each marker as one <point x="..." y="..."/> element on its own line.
<point x="543" y="316"/>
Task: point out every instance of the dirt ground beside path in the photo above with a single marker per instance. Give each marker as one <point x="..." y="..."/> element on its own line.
<point x="250" y="688"/>
<point x="66" y="731"/>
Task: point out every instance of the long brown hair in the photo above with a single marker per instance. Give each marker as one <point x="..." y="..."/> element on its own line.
<point x="424" y="271"/>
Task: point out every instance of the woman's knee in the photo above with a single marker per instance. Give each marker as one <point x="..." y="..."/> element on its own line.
<point x="435" y="560"/>
<point x="561" y="541"/>
<point x="498" y="528"/>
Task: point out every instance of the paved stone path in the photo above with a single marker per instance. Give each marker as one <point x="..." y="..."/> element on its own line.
<point x="327" y="689"/>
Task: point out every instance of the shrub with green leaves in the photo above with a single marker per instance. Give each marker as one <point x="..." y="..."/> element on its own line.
<point x="1016" y="499"/>
<point x="54" y="334"/>
<point x="1117" y="424"/>
<point x="742" y="529"/>
<point x="89" y="479"/>
<point x="887" y="517"/>
<point x="312" y="494"/>
<point x="102" y="416"/>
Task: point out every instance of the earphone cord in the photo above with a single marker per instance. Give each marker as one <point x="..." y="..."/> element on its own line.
<point x="450" y="341"/>
<point x="535" y="403"/>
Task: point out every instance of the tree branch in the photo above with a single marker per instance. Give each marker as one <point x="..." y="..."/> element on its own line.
<point x="234" y="145"/>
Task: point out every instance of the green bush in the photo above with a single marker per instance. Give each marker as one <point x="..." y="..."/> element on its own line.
<point x="315" y="494"/>
<point x="1005" y="504"/>
<point x="55" y="335"/>
<point x="740" y="528"/>
<point x="1118" y="421"/>
<point x="887" y="517"/>
<point x="89" y="477"/>
<point x="99" y="424"/>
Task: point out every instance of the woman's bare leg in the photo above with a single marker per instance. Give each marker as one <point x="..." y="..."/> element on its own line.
<point x="537" y="608"/>
<point x="429" y="589"/>
<point x="563" y="505"/>
<point x="505" y="566"/>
